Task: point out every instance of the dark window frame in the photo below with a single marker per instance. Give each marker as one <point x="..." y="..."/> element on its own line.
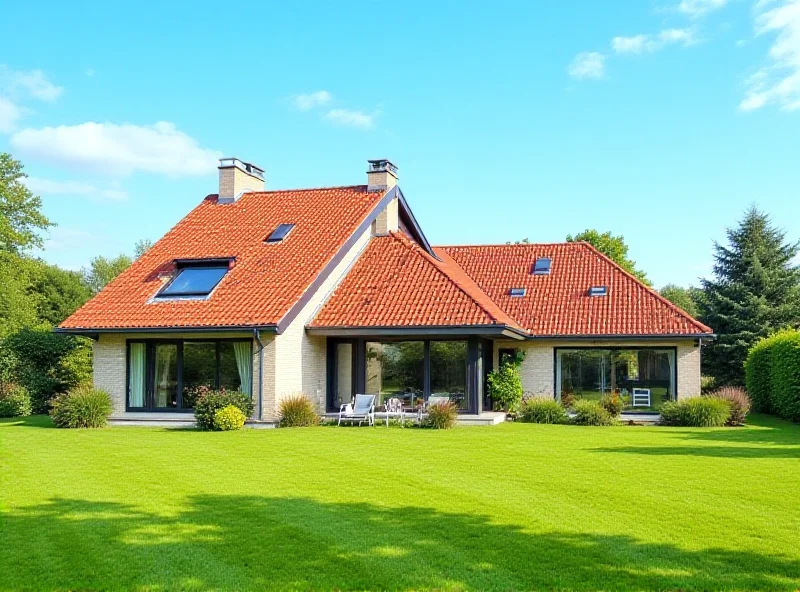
<point x="150" y="370"/>
<point x="544" y="269"/>
<point x="474" y="365"/>
<point x="280" y="232"/>
<point x="517" y="292"/>
<point x="598" y="291"/>
<point x="672" y="348"/>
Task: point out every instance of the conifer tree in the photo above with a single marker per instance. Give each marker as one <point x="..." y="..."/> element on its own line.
<point x="755" y="292"/>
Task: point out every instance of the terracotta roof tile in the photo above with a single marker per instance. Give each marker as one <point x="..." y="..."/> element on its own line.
<point x="396" y="283"/>
<point x="266" y="279"/>
<point x="558" y="304"/>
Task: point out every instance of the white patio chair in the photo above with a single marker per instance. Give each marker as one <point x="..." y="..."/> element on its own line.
<point x="394" y="408"/>
<point x="362" y="410"/>
<point x="640" y="397"/>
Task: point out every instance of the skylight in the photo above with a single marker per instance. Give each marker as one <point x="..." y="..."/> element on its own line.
<point x="195" y="279"/>
<point x="516" y="292"/>
<point x="598" y="291"/>
<point x="542" y="266"/>
<point x="279" y="233"/>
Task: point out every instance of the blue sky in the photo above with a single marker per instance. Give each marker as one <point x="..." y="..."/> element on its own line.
<point x="661" y="121"/>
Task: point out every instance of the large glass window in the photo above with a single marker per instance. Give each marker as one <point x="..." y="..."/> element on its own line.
<point x="170" y="375"/>
<point x="199" y="369"/>
<point x="396" y="369"/>
<point x="166" y="376"/>
<point x="644" y="378"/>
<point x="449" y="371"/>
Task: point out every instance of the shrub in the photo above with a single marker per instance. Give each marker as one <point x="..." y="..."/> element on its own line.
<point x="758" y="374"/>
<point x="708" y="384"/>
<point x="82" y="407"/>
<point x="612" y="403"/>
<point x="671" y="413"/>
<point x="14" y="401"/>
<point x="48" y="363"/>
<point x="772" y="371"/>
<point x="738" y="400"/>
<point x="591" y="413"/>
<point x="543" y="410"/>
<point x="229" y="418"/>
<point x="209" y="402"/>
<point x="505" y="387"/>
<point x="442" y="416"/>
<point x="298" y="411"/>
<point x="696" y="412"/>
<point x="567" y="400"/>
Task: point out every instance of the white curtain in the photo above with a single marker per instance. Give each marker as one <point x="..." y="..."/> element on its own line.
<point x="244" y="365"/>
<point x="136" y="373"/>
<point x="671" y="360"/>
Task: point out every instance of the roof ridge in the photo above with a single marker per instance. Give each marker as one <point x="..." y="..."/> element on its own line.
<point x="550" y="244"/>
<point x="414" y="247"/>
<point x="325" y="188"/>
<point x="641" y="284"/>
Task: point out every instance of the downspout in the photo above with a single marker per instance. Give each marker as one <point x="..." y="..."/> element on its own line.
<point x="257" y="335"/>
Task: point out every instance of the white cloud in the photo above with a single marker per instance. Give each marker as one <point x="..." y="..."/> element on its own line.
<point x="89" y="72"/>
<point x="346" y="117"/>
<point x="588" y="64"/>
<point x="10" y="114"/>
<point x="698" y="8"/>
<point x="650" y="43"/>
<point x="779" y="82"/>
<point x="16" y="86"/>
<point x="117" y="149"/>
<point x="77" y="188"/>
<point x="311" y="100"/>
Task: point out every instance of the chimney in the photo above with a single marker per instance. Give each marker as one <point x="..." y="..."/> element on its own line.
<point x="237" y="177"/>
<point x="381" y="175"/>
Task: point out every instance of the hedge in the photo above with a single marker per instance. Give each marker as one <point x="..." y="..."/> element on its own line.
<point x="772" y="373"/>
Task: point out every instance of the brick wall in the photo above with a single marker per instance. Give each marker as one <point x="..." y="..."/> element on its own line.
<point x="538" y="368"/>
<point x="233" y="180"/>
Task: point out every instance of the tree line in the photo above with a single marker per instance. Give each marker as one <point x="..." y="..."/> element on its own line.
<point x="34" y="293"/>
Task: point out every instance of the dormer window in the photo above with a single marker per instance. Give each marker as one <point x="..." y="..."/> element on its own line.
<point x="195" y="278"/>
<point x="516" y="292"/>
<point x="598" y="291"/>
<point x="542" y="266"/>
<point x="280" y="233"/>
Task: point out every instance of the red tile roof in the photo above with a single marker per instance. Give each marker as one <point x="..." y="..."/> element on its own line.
<point x="396" y="283"/>
<point x="558" y="304"/>
<point x="266" y="280"/>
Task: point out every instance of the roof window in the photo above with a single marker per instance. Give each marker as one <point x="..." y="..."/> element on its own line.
<point x="195" y="278"/>
<point x="598" y="291"/>
<point x="516" y="292"/>
<point x="542" y="266"/>
<point x="280" y="233"/>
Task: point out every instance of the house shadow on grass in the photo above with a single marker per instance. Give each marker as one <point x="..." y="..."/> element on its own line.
<point x="240" y="543"/>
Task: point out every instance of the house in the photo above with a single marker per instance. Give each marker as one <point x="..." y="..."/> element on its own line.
<point x="335" y="291"/>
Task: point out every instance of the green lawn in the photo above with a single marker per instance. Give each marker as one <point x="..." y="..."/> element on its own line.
<point x="511" y="507"/>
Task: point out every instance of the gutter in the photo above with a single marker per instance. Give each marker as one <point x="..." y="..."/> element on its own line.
<point x="214" y="329"/>
<point x="257" y="335"/>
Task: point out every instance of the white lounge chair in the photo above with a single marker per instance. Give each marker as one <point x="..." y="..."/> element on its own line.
<point x="362" y="410"/>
